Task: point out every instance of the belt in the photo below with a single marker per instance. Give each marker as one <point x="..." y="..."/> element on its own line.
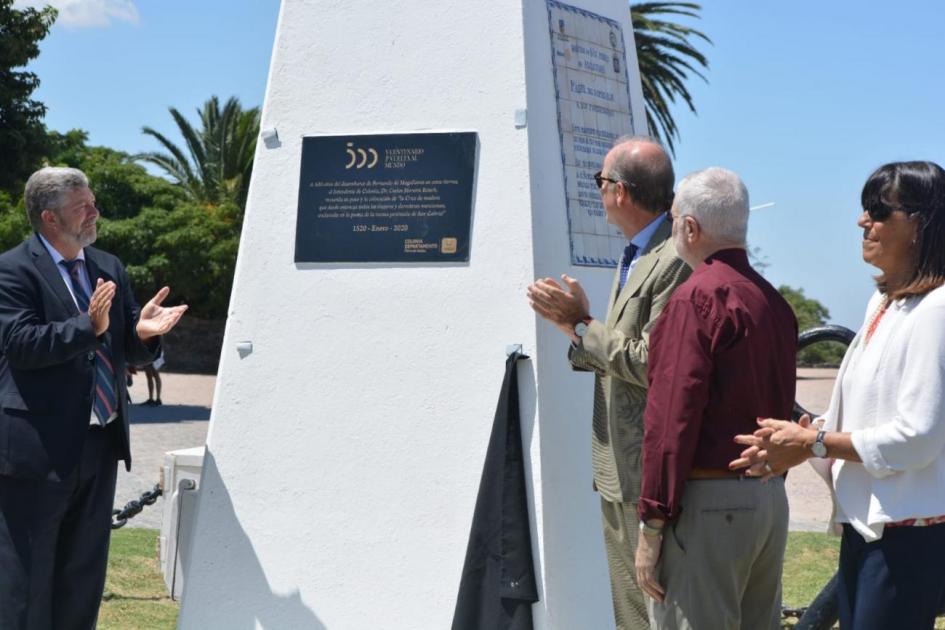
<point x="715" y="473"/>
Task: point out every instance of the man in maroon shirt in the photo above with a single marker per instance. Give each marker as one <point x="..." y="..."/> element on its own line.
<point x="721" y="355"/>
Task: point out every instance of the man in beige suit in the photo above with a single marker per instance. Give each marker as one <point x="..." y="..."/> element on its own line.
<point x="636" y="187"/>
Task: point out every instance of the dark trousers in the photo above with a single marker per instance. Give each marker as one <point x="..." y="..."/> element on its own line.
<point x="54" y="542"/>
<point x="897" y="581"/>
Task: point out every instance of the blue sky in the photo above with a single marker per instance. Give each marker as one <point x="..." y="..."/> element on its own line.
<point x="804" y="100"/>
<point x="112" y="79"/>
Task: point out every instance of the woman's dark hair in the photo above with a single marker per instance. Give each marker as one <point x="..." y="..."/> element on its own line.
<point x="917" y="188"/>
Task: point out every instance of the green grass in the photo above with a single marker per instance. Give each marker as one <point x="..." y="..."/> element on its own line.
<point x="135" y="595"/>
<point x="809" y="562"/>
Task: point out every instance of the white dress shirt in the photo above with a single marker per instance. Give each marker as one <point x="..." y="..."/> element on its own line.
<point x="58" y="258"/>
<point x="642" y="238"/>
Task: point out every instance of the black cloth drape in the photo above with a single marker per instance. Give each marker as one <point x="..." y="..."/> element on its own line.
<point x="498" y="586"/>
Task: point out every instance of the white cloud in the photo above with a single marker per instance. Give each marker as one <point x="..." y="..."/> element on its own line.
<point x="87" y="13"/>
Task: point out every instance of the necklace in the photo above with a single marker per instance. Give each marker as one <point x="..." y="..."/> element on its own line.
<point x="874" y="322"/>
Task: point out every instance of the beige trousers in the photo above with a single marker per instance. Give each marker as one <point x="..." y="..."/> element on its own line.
<point x="621" y="528"/>
<point x="721" y="560"/>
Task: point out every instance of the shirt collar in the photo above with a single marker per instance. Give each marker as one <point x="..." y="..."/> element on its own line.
<point x="56" y="256"/>
<point x="734" y="256"/>
<point x="642" y="238"/>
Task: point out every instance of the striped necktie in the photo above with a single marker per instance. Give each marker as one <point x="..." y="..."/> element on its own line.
<point x="105" y="399"/>
<point x="628" y="253"/>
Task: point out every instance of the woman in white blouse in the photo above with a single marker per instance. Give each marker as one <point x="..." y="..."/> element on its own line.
<point x="881" y="444"/>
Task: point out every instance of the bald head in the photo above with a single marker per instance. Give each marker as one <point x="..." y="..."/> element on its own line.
<point x="643" y="165"/>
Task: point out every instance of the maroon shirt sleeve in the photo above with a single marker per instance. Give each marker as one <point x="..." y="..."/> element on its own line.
<point x="680" y="374"/>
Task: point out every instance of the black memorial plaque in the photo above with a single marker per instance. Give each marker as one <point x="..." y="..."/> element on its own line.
<point x="386" y="198"/>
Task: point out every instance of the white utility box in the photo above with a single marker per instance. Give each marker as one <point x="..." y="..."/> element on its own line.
<point x="181" y="474"/>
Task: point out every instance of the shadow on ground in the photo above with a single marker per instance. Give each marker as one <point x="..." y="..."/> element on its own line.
<point x="143" y="414"/>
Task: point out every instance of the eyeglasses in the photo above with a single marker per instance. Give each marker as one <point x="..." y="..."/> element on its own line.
<point x="599" y="179"/>
<point x="882" y="211"/>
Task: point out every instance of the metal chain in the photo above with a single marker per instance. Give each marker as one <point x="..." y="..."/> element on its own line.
<point x="797" y="613"/>
<point x="134" y="507"/>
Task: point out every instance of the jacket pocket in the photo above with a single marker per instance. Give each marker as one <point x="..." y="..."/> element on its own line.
<point x="15" y="404"/>
<point x="13" y="401"/>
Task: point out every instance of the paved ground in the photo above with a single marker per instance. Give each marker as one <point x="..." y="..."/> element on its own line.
<point x="808" y="495"/>
<point x="181" y="422"/>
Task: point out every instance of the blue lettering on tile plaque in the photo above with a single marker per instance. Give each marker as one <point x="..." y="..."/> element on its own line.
<point x="386" y="198"/>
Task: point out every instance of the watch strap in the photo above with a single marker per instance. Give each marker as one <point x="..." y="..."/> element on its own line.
<point x="652" y="532"/>
<point x="819" y="448"/>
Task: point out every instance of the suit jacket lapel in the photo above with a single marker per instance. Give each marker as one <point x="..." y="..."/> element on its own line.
<point x="614" y="288"/>
<point x="94" y="271"/>
<point x="50" y="273"/>
<point x="641" y="270"/>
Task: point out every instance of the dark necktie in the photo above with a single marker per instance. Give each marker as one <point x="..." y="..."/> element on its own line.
<point x="628" y="253"/>
<point x="105" y="398"/>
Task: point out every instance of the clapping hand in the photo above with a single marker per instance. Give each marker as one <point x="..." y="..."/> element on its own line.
<point x="99" y="305"/>
<point x="156" y="319"/>
<point x="563" y="308"/>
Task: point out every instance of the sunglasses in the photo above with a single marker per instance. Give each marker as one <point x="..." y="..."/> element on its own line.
<point x="881" y="212"/>
<point x="599" y="179"/>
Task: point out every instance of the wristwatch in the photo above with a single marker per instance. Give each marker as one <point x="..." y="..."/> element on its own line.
<point x="818" y="448"/>
<point x="580" y="328"/>
<point x="648" y="530"/>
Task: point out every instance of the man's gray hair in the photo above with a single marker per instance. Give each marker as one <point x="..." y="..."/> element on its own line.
<point x="46" y="188"/>
<point x="718" y="200"/>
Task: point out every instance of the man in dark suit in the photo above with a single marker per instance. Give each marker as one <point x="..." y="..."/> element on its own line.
<point x="69" y="325"/>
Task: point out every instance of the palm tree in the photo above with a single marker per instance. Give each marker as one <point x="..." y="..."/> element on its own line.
<point x="665" y="57"/>
<point x="220" y="152"/>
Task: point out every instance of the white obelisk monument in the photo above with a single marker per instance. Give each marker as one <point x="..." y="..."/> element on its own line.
<point x="366" y="341"/>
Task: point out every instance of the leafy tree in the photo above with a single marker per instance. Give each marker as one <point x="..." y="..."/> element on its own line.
<point x="66" y="149"/>
<point x="22" y="133"/>
<point x="666" y="57"/>
<point x="122" y="187"/>
<point x="220" y="152"/>
<point x="189" y="248"/>
<point x="811" y="313"/>
<point x="159" y="233"/>
<point x="14" y="226"/>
